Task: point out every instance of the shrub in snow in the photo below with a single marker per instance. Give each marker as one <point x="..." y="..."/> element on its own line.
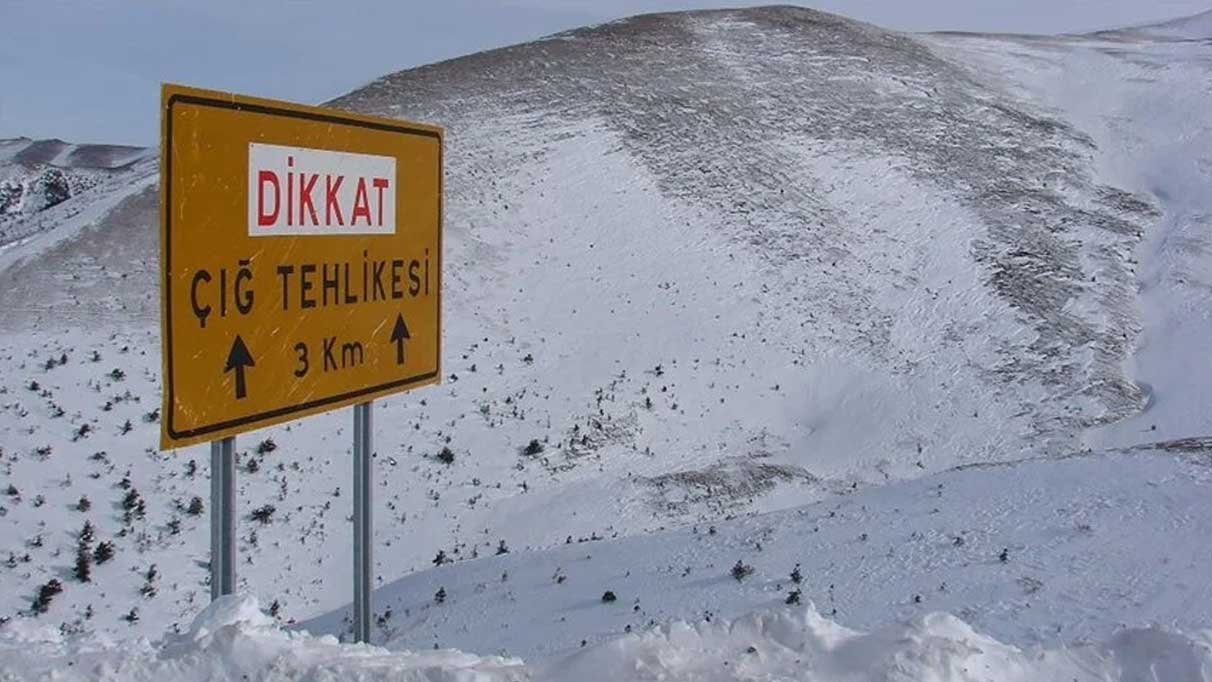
<point x="446" y="456"/>
<point x="502" y="548"/>
<point x="84" y="564"/>
<point x="264" y="513"/>
<point x="793" y="598"/>
<point x="266" y="446"/>
<point x="131" y="500"/>
<point x="608" y="597"/>
<point x="195" y="506"/>
<point x="45" y="594"/>
<point x="439" y="597"/>
<point x="104" y="552"/>
<point x="84" y="504"/>
<point x="796" y="576"/>
<point x="534" y="447"/>
<point x="741" y="570"/>
<point x="441" y="558"/>
<point x="149" y="582"/>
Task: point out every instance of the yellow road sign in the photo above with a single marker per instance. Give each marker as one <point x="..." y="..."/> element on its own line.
<point x="300" y="260"/>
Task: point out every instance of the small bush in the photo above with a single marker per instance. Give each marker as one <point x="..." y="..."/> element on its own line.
<point x="195" y="506"/>
<point x="264" y="513"/>
<point x="84" y="564"/>
<point x="266" y="446"/>
<point x="439" y="597"/>
<point x="45" y="594"/>
<point x="149" y="585"/>
<point x="104" y="552"/>
<point x="793" y="598"/>
<point x="608" y="597"/>
<point x="131" y="500"/>
<point x="446" y="456"/>
<point x="534" y="447"/>
<point x="741" y="570"/>
<point x="84" y="504"/>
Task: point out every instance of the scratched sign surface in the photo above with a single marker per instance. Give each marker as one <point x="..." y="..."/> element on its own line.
<point x="300" y="258"/>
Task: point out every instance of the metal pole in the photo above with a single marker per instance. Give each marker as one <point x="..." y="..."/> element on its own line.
<point x="363" y="448"/>
<point x="222" y="517"/>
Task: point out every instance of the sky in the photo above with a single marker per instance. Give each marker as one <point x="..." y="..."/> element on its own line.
<point x="89" y="70"/>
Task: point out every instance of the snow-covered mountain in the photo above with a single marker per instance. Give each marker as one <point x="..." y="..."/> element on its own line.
<point x="766" y="263"/>
<point x="38" y="175"/>
<point x="1196" y="27"/>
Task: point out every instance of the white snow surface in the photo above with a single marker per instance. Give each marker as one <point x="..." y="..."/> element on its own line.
<point x="231" y="640"/>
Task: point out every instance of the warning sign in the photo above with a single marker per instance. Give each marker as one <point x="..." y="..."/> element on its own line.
<point x="300" y="260"/>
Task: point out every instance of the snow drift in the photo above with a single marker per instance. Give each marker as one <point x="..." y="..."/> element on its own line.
<point x="233" y="640"/>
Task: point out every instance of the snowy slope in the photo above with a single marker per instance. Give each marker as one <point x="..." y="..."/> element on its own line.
<point x="1093" y="544"/>
<point x="49" y="189"/>
<point x="1197" y="27"/>
<point x="1142" y="105"/>
<point x="717" y="263"/>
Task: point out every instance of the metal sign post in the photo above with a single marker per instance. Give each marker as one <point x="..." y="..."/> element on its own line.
<point x="363" y="449"/>
<point x="222" y="517"/>
<point x="300" y="272"/>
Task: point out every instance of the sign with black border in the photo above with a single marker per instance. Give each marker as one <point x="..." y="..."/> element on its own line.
<point x="301" y="260"/>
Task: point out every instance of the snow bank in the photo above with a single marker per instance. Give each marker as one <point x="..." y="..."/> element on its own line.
<point x="799" y="644"/>
<point x="233" y="640"/>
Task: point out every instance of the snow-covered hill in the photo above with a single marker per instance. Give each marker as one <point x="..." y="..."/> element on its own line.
<point x="49" y="189"/>
<point x="713" y="264"/>
<point x="1196" y="27"/>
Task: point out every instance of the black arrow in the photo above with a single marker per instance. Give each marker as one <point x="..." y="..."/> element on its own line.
<point x="398" y="334"/>
<point x="238" y="359"/>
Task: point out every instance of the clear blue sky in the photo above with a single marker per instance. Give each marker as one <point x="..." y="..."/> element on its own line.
<point x="89" y="70"/>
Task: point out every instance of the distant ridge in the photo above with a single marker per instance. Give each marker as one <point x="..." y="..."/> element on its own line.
<point x="56" y="152"/>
